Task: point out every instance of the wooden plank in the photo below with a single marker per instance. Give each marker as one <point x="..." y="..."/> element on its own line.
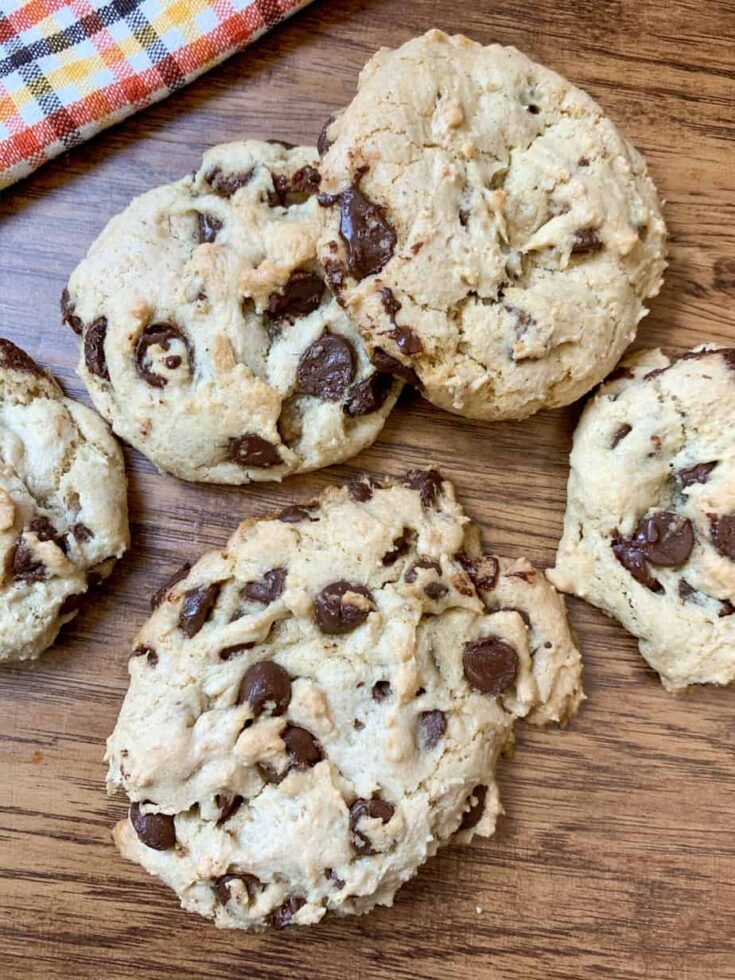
<point x="616" y="854"/>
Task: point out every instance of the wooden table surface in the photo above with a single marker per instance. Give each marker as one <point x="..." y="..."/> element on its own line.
<point x="616" y="856"/>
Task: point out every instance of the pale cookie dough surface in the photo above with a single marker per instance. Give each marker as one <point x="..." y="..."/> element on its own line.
<point x="649" y="534"/>
<point x="209" y="340"/>
<point x="63" y="505"/>
<point x="291" y="753"/>
<point x="488" y="228"/>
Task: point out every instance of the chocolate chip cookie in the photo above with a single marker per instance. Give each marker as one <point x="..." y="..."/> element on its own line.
<point x="63" y="505"/>
<point x="487" y="228"/>
<point x="318" y="707"/>
<point x="649" y="534"/>
<point x="209" y="339"/>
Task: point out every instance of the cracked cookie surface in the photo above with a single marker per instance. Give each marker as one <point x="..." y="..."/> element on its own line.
<point x="63" y="505"/>
<point x="298" y="739"/>
<point x="487" y="227"/>
<point x="649" y="533"/>
<point x="208" y="337"/>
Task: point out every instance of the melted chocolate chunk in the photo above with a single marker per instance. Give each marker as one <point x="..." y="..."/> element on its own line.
<point x="620" y="433"/>
<point x="226" y="184"/>
<point x="303" y="749"/>
<point x="407" y="341"/>
<point x="323" y="143"/>
<point x="301" y="295"/>
<point x="367" y="396"/>
<point x="94" y="349"/>
<point x="148" y="652"/>
<point x="696" y="474"/>
<point x="482" y="571"/>
<point x="471" y="817"/>
<point x="413" y="570"/>
<point x="362" y="487"/>
<point x="265" y="684"/>
<point x="326" y="368"/>
<point x="665" y="539"/>
<point x="335" y="273"/>
<point x="15" y="359"/>
<point x="298" y="512"/>
<point x="432" y="726"/>
<point x="299" y="188"/>
<point x="221" y="886"/>
<point x="586" y="241"/>
<point x="208" y="227"/>
<point x="156" y="335"/>
<point x="722" y="529"/>
<point x="375" y="809"/>
<point x="229" y="653"/>
<point x="390" y="303"/>
<point x="228" y="807"/>
<point x="284" y="143"/>
<point x="332" y="875"/>
<point x="281" y="917"/>
<point x="253" y="450"/>
<point x="367" y="233"/>
<point x="68" y="316"/>
<point x="268" y="589"/>
<point x="160" y="594"/>
<point x="401" y="546"/>
<point x="196" y="606"/>
<point x="391" y="365"/>
<point x="685" y="589"/>
<point x="381" y="690"/>
<point x="427" y="482"/>
<point x="490" y="664"/>
<point x="631" y="558"/>
<point x="44" y="530"/>
<point x="727" y="609"/>
<point x="335" y="615"/>
<point x="82" y="533"/>
<point x="156" y="830"/>
<point x="25" y="566"/>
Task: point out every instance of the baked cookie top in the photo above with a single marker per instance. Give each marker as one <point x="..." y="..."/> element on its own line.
<point x="649" y="534"/>
<point x="63" y="505"/>
<point x="209" y="339"/>
<point x="319" y="706"/>
<point x="487" y="227"/>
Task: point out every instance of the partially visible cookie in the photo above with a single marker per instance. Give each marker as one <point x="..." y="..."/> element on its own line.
<point x="649" y="534"/>
<point x="208" y="337"/>
<point x="318" y="707"/>
<point x="63" y="505"/>
<point x="488" y="228"/>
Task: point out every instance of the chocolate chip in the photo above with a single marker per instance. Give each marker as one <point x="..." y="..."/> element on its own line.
<point x="44" y="529"/>
<point x="374" y="809"/>
<point x="482" y="571"/>
<point x="332" y="875"/>
<point x="207" y="227"/>
<point x="142" y="650"/>
<point x="381" y="690"/>
<point x="471" y="817"/>
<point x="156" y="830"/>
<point x="323" y="143"/>
<point x="620" y="433"/>
<point x="302" y="747"/>
<point x="334" y="614"/>
<point x="284" y="143"/>
<point x="367" y="233"/>
<point x="228" y="807"/>
<point x="391" y="365"/>
<point x="281" y="917"/>
<point x="368" y="395"/>
<point x="412" y="571"/>
<point x="435" y="590"/>
<point x="253" y="450"/>
<point x="722" y="529"/>
<point x="490" y="664"/>
<point x="727" y="609"/>
<point x="585" y="241"/>
<point x="265" y="683"/>
<point x="432" y="726"/>
<point x="300" y="296"/>
<point x="335" y="273"/>
<point x="82" y="533"/>
<point x="15" y="359"/>
<point x="196" y="606"/>
<point x="268" y="589"/>
<point x="427" y="482"/>
<point x="685" y="589"/>
<point x="407" y="341"/>
<point x="389" y="301"/>
<point x="94" y="349"/>
<point x="464" y="217"/>
<point x="229" y="653"/>
<point x="221" y="886"/>
<point x="631" y="558"/>
<point x="226" y="184"/>
<point x="160" y="594"/>
<point x="156" y="335"/>
<point x="297" y="513"/>
<point x="68" y="316"/>
<point x="295" y="190"/>
<point x="326" y="368"/>
<point x="665" y="539"/>
<point x="401" y="546"/>
<point x="362" y="487"/>
<point x="25" y="567"/>
<point x="696" y="474"/>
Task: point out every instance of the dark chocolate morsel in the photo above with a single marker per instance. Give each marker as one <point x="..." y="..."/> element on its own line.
<point x="375" y="809"/>
<point x="326" y="368"/>
<point x="303" y="749"/>
<point x="471" y="817"/>
<point x="482" y="571"/>
<point x="156" y="830"/>
<point x="82" y="533"/>
<point x="226" y="184"/>
<point x="265" y="683"/>
<point x="68" y="316"/>
<point x="389" y="301"/>
<point x="696" y="474"/>
<point x="362" y="487"/>
<point x="228" y="653"/>
<point x="412" y="572"/>
<point x="298" y="512"/>
<point x="268" y="589"/>
<point x="381" y="690"/>
<point x="252" y="450"/>
<point x="300" y="296"/>
<point x="15" y="359"/>
<point x="722" y="530"/>
<point x="391" y="365"/>
<point x="94" y="348"/>
<point x="401" y="546"/>
<point x="25" y="567"/>
<point x="490" y="664"/>
<point x="620" y="433"/>
<point x="333" y="614"/>
<point x="631" y="558"/>
<point x="432" y="726"/>
<point x="368" y="395"/>
<point x="160" y="594"/>
<point x="157" y="335"/>
<point x="221" y="886"/>
<point x="407" y="341"/>
<point x="585" y="241"/>
<point x="196" y="605"/>
<point x="367" y="233"/>
<point x="427" y="482"/>
<point x="280" y="917"/>
<point x="323" y="142"/>
<point x="143" y="650"/>
<point x="665" y="539"/>
<point x="228" y="806"/>
<point x="207" y="227"/>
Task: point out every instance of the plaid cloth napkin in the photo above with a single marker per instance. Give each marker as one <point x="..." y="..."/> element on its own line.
<point x="69" y="69"/>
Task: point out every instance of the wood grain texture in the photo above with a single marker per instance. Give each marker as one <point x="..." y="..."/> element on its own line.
<point x="616" y="855"/>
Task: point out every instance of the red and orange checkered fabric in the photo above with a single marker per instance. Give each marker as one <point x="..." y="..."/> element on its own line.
<point x="69" y="68"/>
